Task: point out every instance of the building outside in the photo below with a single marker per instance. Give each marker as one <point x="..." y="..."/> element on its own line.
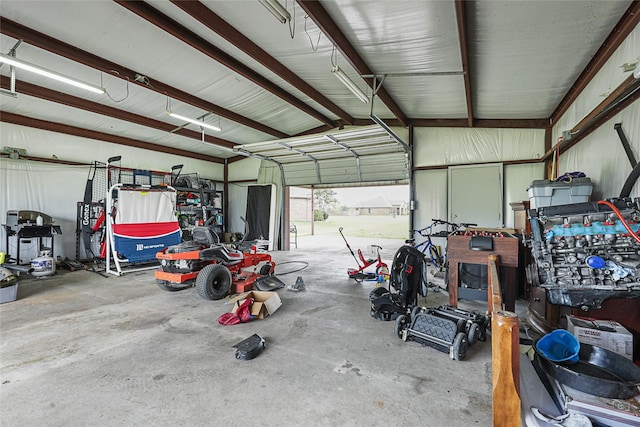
<point x="300" y="204"/>
<point x="379" y="206"/>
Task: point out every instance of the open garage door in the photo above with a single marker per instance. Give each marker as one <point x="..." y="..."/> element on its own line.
<point x="369" y="154"/>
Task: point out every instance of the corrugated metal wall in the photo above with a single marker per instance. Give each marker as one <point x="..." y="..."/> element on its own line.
<point x="451" y="146"/>
<point x="601" y="155"/>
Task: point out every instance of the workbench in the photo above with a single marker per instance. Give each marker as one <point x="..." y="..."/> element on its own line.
<point x="506" y="247"/>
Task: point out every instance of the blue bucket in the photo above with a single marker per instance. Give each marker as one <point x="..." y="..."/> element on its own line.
<point x="559" y="346"/>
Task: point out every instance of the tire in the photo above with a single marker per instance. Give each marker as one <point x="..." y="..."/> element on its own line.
<point x="473" y="333"/>
<point x="165" y="285"/>
<point x="401" y="323"/>
<point x="482" y="333"/>
<point x="460" y="345"/>
<point x="213" y="282"/>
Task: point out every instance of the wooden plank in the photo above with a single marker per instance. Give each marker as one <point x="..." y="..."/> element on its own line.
<point x="494" y="288"/>
<point x="505" y="370"/>
<point x="505" y="355"/>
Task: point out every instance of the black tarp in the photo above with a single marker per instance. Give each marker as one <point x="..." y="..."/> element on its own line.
<point x="258" y="211"/>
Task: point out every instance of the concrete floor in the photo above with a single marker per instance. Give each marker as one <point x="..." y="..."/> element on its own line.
<point x="80" y="349"/>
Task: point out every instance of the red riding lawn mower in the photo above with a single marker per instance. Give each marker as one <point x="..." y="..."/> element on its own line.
<point x="214" y="268"/>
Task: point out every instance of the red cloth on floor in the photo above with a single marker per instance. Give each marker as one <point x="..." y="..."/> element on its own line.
<point x="242" y="314"/>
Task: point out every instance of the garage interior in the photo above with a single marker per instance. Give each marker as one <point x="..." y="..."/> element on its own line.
<point x="131" y="127"/>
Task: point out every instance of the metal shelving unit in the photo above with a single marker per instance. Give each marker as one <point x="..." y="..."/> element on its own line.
<point x="199" y="202"/>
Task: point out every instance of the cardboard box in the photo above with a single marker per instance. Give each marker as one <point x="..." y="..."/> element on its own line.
<point x="264" y="303"/>
<point x="602" y="333"/>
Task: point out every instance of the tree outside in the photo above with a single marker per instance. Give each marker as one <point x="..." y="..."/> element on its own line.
<point x="324" y="201"/>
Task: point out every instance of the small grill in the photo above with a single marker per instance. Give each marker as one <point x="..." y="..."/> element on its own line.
<point x="25" y="224"/>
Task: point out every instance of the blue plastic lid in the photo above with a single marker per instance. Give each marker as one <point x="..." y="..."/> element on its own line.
<point x="559" y="346"/>
<point x="595" y="261"/>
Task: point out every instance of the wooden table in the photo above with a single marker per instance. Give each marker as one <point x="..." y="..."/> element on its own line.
<point x="506" y="248"/>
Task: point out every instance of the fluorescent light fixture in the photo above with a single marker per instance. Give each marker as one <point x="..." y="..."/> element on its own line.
<point x="277" y="10"/>
<point x="349" y="84"/>
<point x="6" y="59"/>
<point x="200" y="123"/>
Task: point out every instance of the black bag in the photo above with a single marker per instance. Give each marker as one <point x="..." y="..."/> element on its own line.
<point x="408" y="275"/>
<point x="250" y="347"/>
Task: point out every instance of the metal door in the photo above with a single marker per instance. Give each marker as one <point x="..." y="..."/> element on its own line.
<point x="476" y="195"/>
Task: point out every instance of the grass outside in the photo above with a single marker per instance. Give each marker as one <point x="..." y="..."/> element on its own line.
<point x="380" y="226"/>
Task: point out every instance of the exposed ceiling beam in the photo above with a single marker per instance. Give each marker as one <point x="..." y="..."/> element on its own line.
<point x="505" y="162"/>
<point x="605" y="114"/>
<point x="215" y="23"/>
<point x="453" y="123"/>
<point x="625" y="26"/>
<point x="461" y="19"/>
<point x="420" y="122"/>
<point x="512" y="123"/>
<point x="182" y="33"/>
<point x="17" y="119"/>
<point x="43" y="41"/>
<point x="629" y="84"/>
<point x="329" y="28"/>
<point x="479" y="123"/>
<point x="323" y="128"/>
<point x="236" y="159"/>
<point x="50" y="160"/>
<point x="94" y="107"/>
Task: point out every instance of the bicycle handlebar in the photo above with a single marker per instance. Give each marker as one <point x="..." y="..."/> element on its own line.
<point x="426" y="231"/>
<point x="441" y="221"/>
<point x="453" y="224"/>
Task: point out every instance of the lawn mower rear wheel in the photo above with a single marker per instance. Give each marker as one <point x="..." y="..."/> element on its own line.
<point x="213" y="282"/>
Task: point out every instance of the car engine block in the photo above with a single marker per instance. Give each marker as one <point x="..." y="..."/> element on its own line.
<point x="585" y="253"/>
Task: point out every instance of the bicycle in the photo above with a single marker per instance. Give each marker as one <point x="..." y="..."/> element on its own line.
<point x="435" y="257"/>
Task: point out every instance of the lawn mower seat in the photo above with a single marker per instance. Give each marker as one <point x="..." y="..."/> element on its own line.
<point x="206" y="236"/>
